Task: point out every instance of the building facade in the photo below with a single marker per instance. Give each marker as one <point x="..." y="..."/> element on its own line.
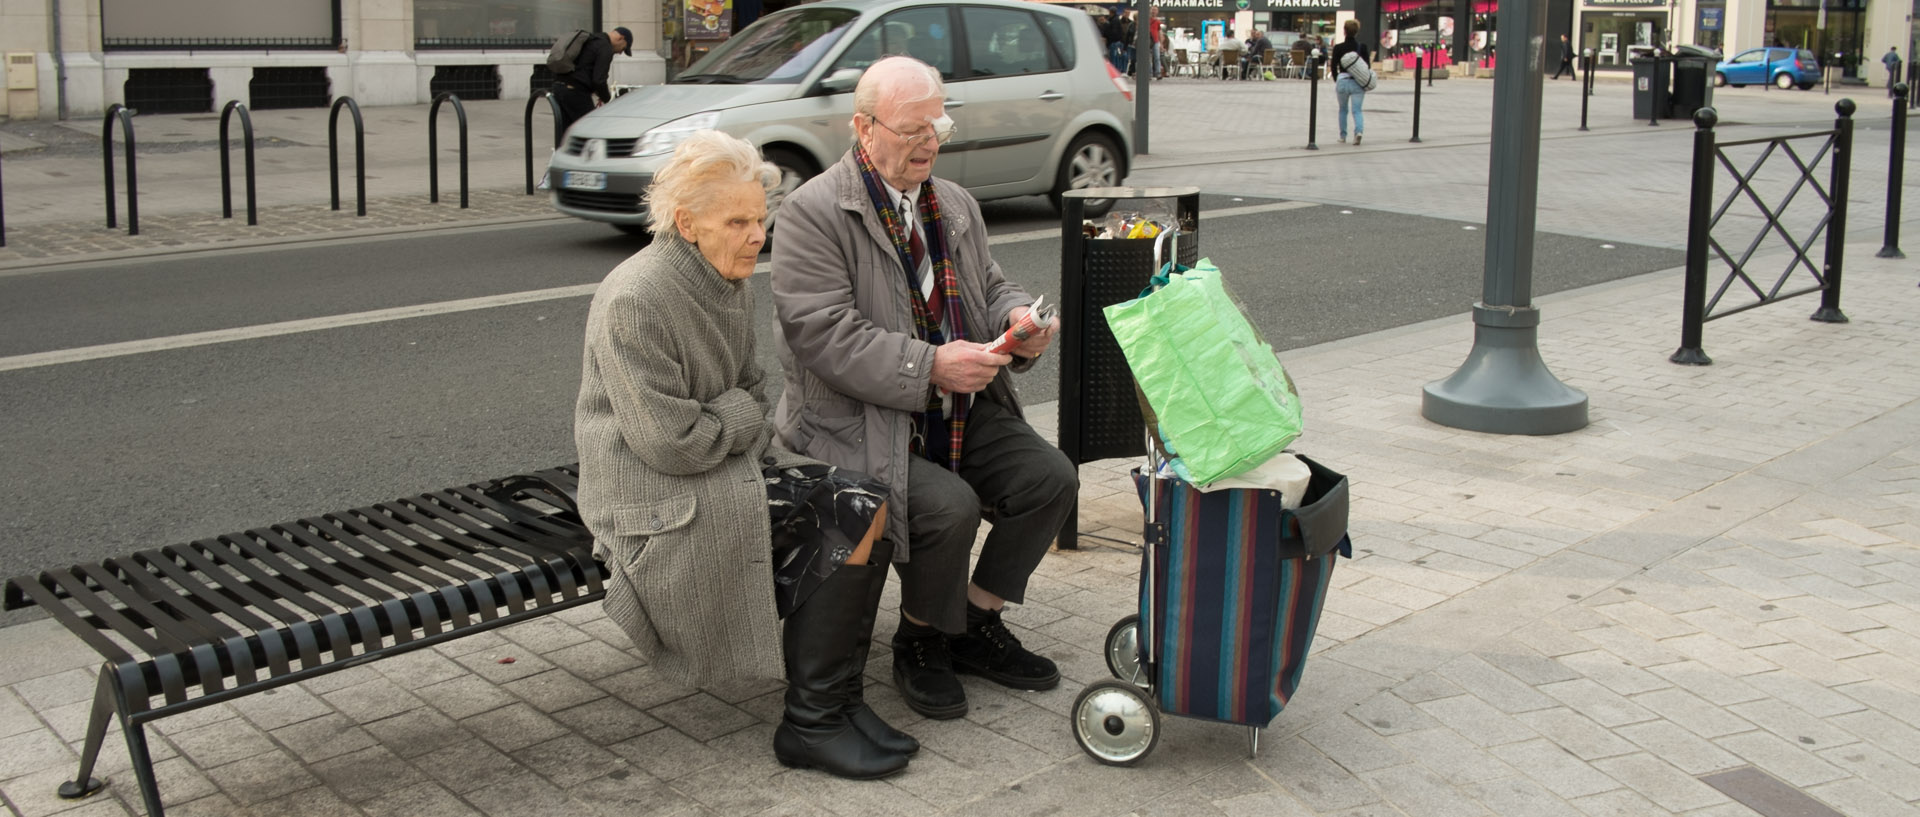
<point x="194" y="55"/>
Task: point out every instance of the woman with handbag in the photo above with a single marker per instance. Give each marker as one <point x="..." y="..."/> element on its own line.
<point x="711" y="532"/>
<point x="1349" y="59"/>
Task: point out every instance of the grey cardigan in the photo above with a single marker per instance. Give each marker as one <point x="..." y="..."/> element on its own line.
<point x="671" y="431"/>
<point x="855" y="370"/>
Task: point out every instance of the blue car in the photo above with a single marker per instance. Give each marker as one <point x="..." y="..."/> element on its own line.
<point x="1785" y="67"/>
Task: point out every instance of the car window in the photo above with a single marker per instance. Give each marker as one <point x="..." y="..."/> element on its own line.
<point x="1747" y="56"/>
<point x="1005" y="42"/>
<point x="1060" y="31"/>
<point x="1806" y="56"/>
<point x="778" y="48"/>
<point x="922" y="33"/>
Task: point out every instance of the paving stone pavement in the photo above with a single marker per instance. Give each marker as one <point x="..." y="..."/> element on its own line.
<point x="1719" y="572"/>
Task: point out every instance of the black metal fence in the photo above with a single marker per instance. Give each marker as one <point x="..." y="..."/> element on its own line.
<point x="1783" y="169"/>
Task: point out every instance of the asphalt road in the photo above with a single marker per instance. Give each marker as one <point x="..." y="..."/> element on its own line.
<point x="106" y="455"/>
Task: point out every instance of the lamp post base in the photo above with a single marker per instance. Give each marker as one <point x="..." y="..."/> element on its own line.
<point x="1504" y="387"/>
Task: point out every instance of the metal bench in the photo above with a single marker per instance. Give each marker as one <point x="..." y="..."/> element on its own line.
<point x="186" y="626"/>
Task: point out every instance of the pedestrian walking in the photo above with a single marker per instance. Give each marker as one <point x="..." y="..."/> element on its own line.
<point x="1891" y="60"/>
<point x="1566" y="60"/>
<point x="1352" y="96"/>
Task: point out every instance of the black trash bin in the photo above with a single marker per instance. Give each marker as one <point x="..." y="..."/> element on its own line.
<point x="1651" y="79"/>
<point x="1693" y="69"/>
<point x="1099" y="413"/>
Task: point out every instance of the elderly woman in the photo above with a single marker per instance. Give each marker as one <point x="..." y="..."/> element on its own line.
<point x="712" y="533"/>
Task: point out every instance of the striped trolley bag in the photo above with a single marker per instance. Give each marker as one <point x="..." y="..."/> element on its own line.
<point x="1233" y="585"/>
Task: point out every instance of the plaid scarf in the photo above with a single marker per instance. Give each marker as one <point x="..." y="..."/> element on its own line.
<point x="946" y="286"/>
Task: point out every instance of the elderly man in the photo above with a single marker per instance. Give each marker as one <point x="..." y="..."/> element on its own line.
<point x="886" y="297"/>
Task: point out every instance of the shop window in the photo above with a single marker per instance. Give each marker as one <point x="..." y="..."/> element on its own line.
<point x="467" y="24"/>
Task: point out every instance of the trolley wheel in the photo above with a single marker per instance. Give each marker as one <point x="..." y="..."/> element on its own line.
<point x="1123" y="652"/>
<point x="1115" y="723"/>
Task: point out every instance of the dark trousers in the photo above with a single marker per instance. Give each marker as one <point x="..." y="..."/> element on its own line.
<point x="1027" y="487"/>
<point x="1566" y="64"/>
<point x="574" y="103"/>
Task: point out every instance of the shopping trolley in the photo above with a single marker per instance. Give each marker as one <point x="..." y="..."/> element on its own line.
<point x="1231" y="587"/>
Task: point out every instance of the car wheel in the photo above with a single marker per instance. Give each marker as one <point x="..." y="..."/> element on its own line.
<point x="1093" y="160"/>
<point x="795" y="170"/>
<point x="1783" y="81"/>
<point x="635" y="229"/>
<point x="1719" y="80"/>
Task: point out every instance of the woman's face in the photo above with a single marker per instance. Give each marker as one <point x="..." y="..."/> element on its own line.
<point x="729" y="229"/>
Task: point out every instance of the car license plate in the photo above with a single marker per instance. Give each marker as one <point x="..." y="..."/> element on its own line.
<point x="583" y="180"/>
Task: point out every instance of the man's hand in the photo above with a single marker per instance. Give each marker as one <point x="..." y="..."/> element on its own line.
<point x="1036" y="343"/>
<point x="965" y="367"/>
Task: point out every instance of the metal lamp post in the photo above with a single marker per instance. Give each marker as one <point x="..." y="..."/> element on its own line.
<point x="1504" y="387"/>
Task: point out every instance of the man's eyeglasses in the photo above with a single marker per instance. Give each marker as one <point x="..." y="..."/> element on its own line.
<point x="940" y="130"/>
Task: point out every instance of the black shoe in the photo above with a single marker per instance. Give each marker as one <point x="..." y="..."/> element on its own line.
<point x="821" y="641"/>
<point x="990" y="650"/>
<point x="923" y="670"/>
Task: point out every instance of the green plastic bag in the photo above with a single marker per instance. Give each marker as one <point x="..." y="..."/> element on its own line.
<point x="1222" y="399"/>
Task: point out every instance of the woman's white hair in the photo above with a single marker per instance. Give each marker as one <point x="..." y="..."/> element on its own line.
<point x="706" y="158"/>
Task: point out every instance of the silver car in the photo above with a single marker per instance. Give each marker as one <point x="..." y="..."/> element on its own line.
<point x="1039" y="110"/>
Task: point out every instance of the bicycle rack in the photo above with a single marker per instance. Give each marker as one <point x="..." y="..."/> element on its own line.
<point x="119" y="111"/>
<point x="554" y="104"/>
<point x="226" y="163"/>
<point x="433" y="147"/>
<point x="359" y="151"/>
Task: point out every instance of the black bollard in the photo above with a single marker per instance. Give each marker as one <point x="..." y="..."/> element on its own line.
<point x="1313" y="99"/>
<point x="359" y="151"/>
<point x="554" y="104"/>
<point x="1693" y="310"/>
<point x="1842" y="166"/>
<point x="226" y="163"/>
<point x="1418" y="60"/>
<point x="119" y="112"/>
<point x="1896" y="161"/>
<point x="433" y="147"/>
<point x="1586" y="84"/>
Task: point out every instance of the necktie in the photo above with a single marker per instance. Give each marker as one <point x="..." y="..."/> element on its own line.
<point x="917" y="248"/>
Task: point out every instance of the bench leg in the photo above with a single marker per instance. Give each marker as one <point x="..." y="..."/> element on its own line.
<point x="143" y="767"/>
<point x="108" y="701"/>
<point x="104" y="706"/>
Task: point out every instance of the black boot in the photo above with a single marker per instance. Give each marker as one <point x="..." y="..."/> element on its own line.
<point x="863" y="716"/>
<point x="821" y="641"/>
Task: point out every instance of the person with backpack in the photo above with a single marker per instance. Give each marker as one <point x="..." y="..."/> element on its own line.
<point x="1352" y="75"/>
<point x="580" y="85"/>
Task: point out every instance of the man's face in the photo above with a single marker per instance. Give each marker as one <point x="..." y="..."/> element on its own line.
<point x="892" y="139"/>
<point x="619" y="42"/>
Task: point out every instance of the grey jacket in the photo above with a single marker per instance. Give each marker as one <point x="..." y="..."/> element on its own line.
<point x="855" y="370"/>
<point x="672" y="434"/>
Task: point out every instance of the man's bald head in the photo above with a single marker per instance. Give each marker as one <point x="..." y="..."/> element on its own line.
<point x="895" y="81"/>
